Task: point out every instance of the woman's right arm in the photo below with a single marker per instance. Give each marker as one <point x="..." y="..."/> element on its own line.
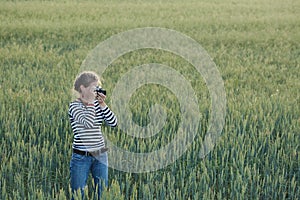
<point x="83" y="115"/>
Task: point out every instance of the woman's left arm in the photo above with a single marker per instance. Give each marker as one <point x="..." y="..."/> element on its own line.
<point x="109" y="117"/>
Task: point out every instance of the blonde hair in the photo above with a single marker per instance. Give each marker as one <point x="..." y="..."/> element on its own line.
<point x="85" y="78"/>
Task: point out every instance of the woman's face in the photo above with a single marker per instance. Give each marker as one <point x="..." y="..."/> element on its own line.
<point x="88" y="92"/>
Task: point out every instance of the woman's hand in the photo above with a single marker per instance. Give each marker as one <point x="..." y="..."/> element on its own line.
<point x="101" y="98"/>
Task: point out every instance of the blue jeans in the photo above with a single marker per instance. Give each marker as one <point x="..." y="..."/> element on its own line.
<point x="81" y="165"/>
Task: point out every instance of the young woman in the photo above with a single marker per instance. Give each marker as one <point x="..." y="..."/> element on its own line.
<point x="87" y="114"/>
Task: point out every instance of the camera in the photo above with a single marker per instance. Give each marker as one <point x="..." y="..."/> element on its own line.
<point x="100" y="90"/>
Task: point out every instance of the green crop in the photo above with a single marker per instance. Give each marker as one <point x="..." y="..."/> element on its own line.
<point x="255" y="46"/>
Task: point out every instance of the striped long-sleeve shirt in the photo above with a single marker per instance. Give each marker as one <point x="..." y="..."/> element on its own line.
<point x="86" y="124"/>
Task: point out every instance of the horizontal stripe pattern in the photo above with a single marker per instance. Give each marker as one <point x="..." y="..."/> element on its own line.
<point x="86" y="124"/>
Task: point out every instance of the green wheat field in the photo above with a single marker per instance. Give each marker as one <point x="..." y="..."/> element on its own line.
<point x="255" y="46"/>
